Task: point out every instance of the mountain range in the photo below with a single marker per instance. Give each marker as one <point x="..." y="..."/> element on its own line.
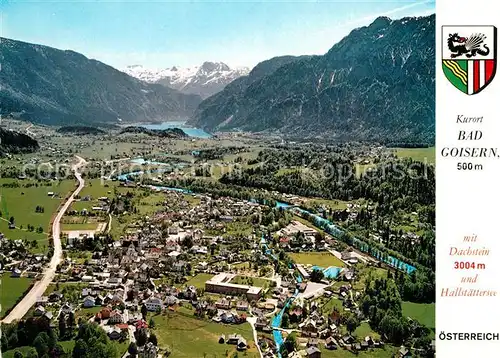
<point x="376" y="84"/>
<point x="204" y="80"/>
<point x="51" y="86"/>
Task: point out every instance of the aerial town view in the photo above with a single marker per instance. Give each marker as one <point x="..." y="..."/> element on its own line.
<point x="286" y="209"/>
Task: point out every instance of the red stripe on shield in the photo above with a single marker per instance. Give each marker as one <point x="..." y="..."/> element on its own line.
<point x="490" y="66"/>
<point x="476" y="76"/>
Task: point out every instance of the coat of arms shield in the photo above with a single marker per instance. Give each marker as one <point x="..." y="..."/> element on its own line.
<point x="469" y="56"/>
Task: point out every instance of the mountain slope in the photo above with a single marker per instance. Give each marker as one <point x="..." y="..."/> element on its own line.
<point x="52" y="86"/>
<point x="375" y="84"/>
<point x="15" y="142"/>
<point x="205" y="80"/>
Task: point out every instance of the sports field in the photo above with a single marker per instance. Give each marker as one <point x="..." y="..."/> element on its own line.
<point x="321" y="259"/>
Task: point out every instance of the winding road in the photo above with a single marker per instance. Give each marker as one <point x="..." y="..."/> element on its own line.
<point x="20" y="310"/>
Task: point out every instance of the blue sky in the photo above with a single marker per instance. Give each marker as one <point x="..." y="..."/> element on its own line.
<point x="165" y="33"/>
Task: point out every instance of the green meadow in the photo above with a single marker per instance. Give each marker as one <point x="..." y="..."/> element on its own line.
<point x="21" y="201"/>
<point x="11" y="290"/>
<point x="189" y="337"/>
<point x="425" y="155"/>
<point x="425" y="313"/>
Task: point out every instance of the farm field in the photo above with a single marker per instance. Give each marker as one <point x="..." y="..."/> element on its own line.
<point x="96" y="188"/>
<point x="79" y="226"/>
<point x="11" y="290"/>
<point x="20" y="202"/>
<point x="321" y="259"/>
<point x="189" y="337"/>
<point x="425" y="313"/>
<point x="425" y="155"/>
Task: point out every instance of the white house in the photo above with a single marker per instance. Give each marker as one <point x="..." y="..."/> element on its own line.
<point x="115" y="317"/>
<point x="153" y="304"/>
<point x="88" y="302"/>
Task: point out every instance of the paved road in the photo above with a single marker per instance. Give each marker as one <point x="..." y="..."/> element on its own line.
<point x="252" y="321"/>
<point x="20" y="310"/>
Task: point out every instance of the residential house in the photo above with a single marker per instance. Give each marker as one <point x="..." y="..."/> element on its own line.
<point x="242" y="306"/>
<point x="39" y="311"/>
<point x="223" y="304"/>
<point x="105" y="312"/>
<point x="313" y="352"/>
<point x="89" y="302"/>
<point x="261" y="323"/>
<point x="330" y="343"/>
<point x="153" y="304"/>
<point x="242" y="344"/>
<point x="42" y="301"/>
<point x="233" y="339"/>
<point x="55" y="296"/>
<point x="309" y="328"/>
<point x="67" y="308"/>
<point x="47" y="316"/>
<point x="404" y="352"/>
<point x="115" y="317"/>
<point x="148" y="351"/>
<point x="115" y="333"/>
<point x="86" y="292"/>
<point x="170" y="300"/>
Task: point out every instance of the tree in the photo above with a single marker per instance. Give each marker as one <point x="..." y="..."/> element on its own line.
<point x="5" y="343"/>
<point x="187" y="242"/>
<point x="285" y="322"/>
<point x="352" y="323"/>
<point x="152" y="338"/>
<point x="71" y="319"/>
<point x="291" y="342"/>
<point x="32" y="353"/>
<point x="141" y="336"/>
<point x="317" y="275"/>
<point x="62" y="326"/>
<point x="41" y="344"/>
<point x="132" y="349"/>
<point x="13" y="340"/>
<point x="58" y="351"/>
<point x="144" y="311"/>
<point x="80" y="349"/>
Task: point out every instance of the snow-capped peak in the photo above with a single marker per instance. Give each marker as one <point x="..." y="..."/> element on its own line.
<point x="204" y="80"/>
